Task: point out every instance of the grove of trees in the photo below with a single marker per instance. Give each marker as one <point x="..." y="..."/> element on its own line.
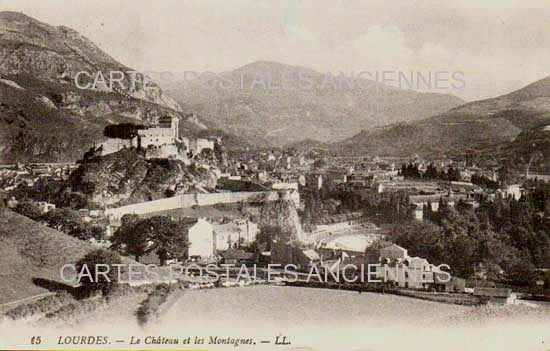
<point x="63" y="219"/>
<point x="411" y="170"/>
<point x="506" y="238"/>
<point x="159" y="234"/>
<point x="379" y="207"/>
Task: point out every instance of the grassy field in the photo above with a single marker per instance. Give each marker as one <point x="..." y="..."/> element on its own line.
<point x="312" y="319"/>
<point x="274" y="307"/>
<point x="28" y="251"/>
<point x="324" y="319"/>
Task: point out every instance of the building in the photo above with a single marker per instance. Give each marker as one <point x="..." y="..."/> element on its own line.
<point x="165" y="132"/>
<point x="284" y="186"/>
<point x="110" y="146"/>
<point x="394" y="252"/>
<point x="302" y="180"/>
<point x="155" y="137"/>
<point x="200" y="234"/>
<point x="235" y="233"/>
<point x="290" y="193"/>
<point x="411" y="272"/>
<point x="456" y="285"/>
<point x="419" y="213"/>
<point x="284" y="254"/>
<point x="171" y="123"/>
<point x="513" y="191"/>
<point x="45" y="206"/>
<point x="496" y="295"/>
<point x="352" y="244"/>
<point x="199" y="144"/>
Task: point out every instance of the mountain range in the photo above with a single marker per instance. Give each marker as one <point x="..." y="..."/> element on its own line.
<point x="44" y="116"/>
<point x="511" y="126"/>
<point x="284" y="104"/>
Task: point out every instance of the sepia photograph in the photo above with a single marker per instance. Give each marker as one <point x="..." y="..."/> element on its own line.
<point x="294" y="175"/>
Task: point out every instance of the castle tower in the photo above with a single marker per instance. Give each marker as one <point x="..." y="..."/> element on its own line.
<point x="170" y="122"/>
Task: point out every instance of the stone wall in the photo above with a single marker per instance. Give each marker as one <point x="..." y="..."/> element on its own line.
<point x="189" y="200"/>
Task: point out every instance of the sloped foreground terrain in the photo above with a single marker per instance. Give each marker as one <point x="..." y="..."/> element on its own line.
<point x="31" y="251"/>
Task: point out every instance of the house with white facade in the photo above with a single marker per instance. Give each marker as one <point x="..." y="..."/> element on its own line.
<point x="398" y="267"/>
<point x="200" y="234"/>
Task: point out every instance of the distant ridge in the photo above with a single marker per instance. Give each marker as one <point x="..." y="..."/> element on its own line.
<point x="284" y="114"/>
<point x="490" y="126"/>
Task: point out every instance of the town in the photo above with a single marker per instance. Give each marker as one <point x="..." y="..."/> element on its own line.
<point x="300" y="207"/>
<point x="263" y="175"/>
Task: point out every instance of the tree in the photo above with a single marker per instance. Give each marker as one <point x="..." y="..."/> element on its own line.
<point x="267" y="234"/>
<point x="91" y="263"/>
<point x="372" y="252"/>
<point x="122" y="130"/>
<point x="219" y="151"/>
<point x="207" y="154"/>
<point x="128" y="240"/>
<point x="97" y="232"/>
<point x="507" y="174"/>
<point x="69" y="222"/>
<point x="74" y="200"/>
<point x="159" y="234"/>
<point x="547" y="281"/>
<point x="423" y="239"/>
<point x="521" y="272"/>
<point x="29" y="209"/>
<point x="410" y="171"/>
<point x="432" y="172"/>
<point x="461" y="252"/>
<point x="167" y="236"/>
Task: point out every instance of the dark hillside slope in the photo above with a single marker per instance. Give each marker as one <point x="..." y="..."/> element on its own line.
<point x="28" y="251"/>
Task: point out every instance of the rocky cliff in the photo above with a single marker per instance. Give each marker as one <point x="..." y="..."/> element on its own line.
<point x="283" y="214"/>
<point x="127" y="177"/>
<point x="59" y="53"/>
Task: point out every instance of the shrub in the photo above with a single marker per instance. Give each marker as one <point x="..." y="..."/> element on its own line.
<point x="150" y="306"/>
<point x="89" y="264"/>
<point x="29" y="209"/>
<point x="44" y="305"/>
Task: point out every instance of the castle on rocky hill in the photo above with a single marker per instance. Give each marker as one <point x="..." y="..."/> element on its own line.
<point x="161" y="140"/>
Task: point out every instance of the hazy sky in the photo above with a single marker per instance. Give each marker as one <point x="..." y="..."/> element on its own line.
<point x="500" y="45"/>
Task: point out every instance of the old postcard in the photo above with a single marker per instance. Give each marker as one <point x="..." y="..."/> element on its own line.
<point x="275" y="175"/>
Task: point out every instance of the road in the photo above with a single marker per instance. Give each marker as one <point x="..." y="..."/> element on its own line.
<point x="12" y="304"/>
